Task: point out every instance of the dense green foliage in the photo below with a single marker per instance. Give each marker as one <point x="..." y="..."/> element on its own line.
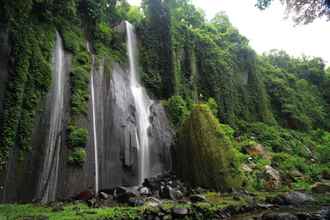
<point x="204" y="155"/>
<point x="304" y="11"/>
<point x="29" y="80"/>
<point x="278" y="101"/>
<point x="77" y="157"/>
<point x="32" y="26"/>
<point x="177" y="110"/>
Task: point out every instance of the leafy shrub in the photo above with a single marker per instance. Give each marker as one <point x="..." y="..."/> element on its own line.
<point x="213" y="106"/>
<point x="77" y="137"/>
<point x="77" y="157"/>
<point x="287" y="162"/>
<point x="177" y="109"/>
<point x="80" y="94"/>
<point x="204" y="155"/>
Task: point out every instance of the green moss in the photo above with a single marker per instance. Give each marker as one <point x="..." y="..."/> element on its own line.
<point x="204" y="155"/>
<point x="75" y="42"/>
<point x="29" y="81"/>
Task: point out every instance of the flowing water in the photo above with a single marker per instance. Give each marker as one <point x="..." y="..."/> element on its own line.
<point x="49" y="175"/>
<point x="96" y="160"/>
<point x="142" y="105"/>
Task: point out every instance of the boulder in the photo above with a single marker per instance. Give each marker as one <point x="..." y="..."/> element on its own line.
<point x="103" y="195"/>
<point x="321" y="188"/>
<point x="153" y="202"/>
<point x="197" y="198"/>
<point x="293" y="198"/>
<point x="256" y="150"/>
<point x="272" y="177"/>
<point x="180" y="212"/>
<point x="144" y="191"/>
<point x="135" y="202"/>
<point x="297" y="198"/>
<point x="92" y="202"/>
<point x="168" y="192"/>
<point x="122" y="194"/>
<point x="279" y="216"/>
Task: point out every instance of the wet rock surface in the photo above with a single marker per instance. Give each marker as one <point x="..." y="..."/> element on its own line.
<point x="321" y="188"/>
<point x="292" y="198"/>
<point x="165" y="197"/>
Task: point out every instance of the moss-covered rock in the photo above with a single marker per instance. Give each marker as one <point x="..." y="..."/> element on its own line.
<point x="204" y="155"/>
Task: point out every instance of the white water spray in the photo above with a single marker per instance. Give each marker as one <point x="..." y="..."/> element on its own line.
<point x="142" y="105"/>
<point x="96" y="160"/>
<point x="49" y="176"/>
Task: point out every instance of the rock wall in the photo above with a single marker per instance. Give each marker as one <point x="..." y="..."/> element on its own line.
<point x="4" y="58"/>
<point x="116" y="128"/>
<point x="116" y="136"/>
<point x="24" y="170"/>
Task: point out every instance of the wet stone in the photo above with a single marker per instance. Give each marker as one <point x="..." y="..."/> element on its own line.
<point x="180" y="212"/>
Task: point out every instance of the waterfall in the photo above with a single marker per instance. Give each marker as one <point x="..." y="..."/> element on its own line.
<point x="142" y="105"/>
<point x="96" y="160"/>
<point x="49" y="175"/>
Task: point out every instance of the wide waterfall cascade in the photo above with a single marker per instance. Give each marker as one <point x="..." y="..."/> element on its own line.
<point x="49" y="176"/>
<point x="95" y="143"/>
<point x="142" y="105"/>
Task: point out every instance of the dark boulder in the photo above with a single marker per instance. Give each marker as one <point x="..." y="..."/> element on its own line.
<point x="103" y="195"/>
<point x="292" y="198"/>
<point x="122" y="194"/>
<point x="180" y="212"/>
<point x="197" y="198"/>
<point x="135" y="202"/>
<point x="279" y="216"/>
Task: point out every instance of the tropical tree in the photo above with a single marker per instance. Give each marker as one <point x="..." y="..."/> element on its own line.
<point x="306" y="11"/>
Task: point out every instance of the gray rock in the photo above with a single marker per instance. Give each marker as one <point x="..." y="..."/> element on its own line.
<point x="297" y="198"/>
<point x="198" y="198"/>
<point x="135" y="202"/>
<point x="104" y="195"/>
<point x="153" y="202"/>
<point x="169" y="193"/>
<point x="272" y="177"/>
<point x="144" y="191"/>
<point x="279" y="216"/>
<point x="180" y="212"/>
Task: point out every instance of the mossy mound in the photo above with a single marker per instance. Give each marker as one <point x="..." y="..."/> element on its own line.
<point x="204" y="155"/>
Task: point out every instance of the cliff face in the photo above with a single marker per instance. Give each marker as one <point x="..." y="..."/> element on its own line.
<point x="117" y="131"/>
<point x="4" y="55"/>
<point x="26" y="179"/>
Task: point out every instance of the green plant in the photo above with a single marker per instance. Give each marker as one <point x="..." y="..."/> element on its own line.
<point x="77" y="137"/>
<point x="177" y="109"/>
<point x="77" y="157"/>
<point x="202" y="139"/>
<point x="213" y="106"/>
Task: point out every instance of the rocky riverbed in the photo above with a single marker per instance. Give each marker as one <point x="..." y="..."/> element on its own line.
<point x="168" y="198"/>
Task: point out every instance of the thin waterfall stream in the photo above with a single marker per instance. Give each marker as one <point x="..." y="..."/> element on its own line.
<point x="49" y="176"/>
<point x="94" y="122"/>
<point x="142" y="105"/>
